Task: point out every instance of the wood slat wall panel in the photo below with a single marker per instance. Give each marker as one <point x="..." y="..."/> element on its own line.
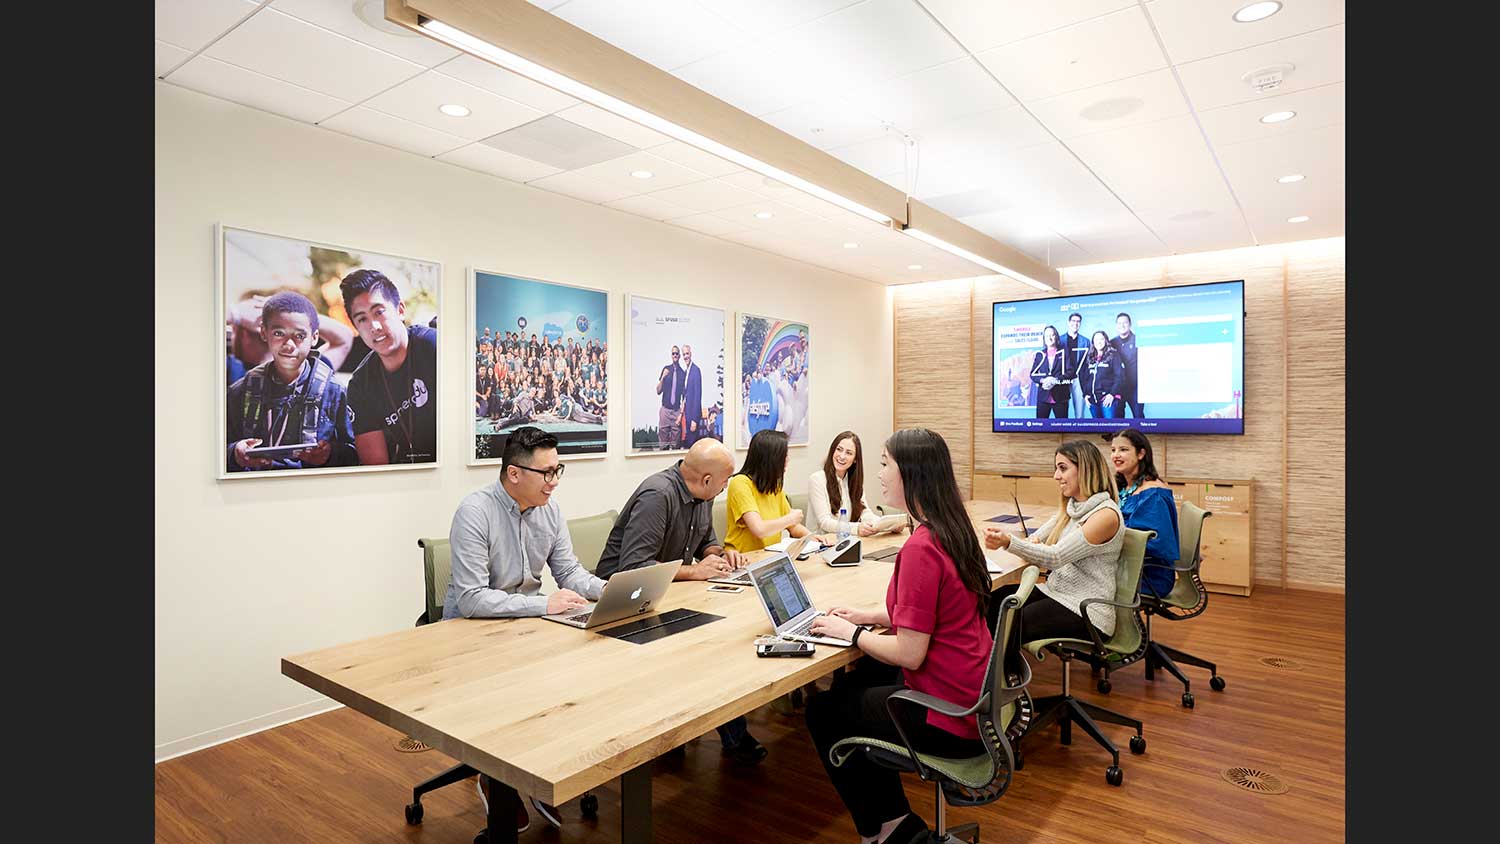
<point x="1315" y="442"/>
<point x="932" y="368"/>
<point x="1313" y="271"/>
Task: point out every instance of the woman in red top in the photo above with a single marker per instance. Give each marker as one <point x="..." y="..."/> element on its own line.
<point x="936" y="634"/>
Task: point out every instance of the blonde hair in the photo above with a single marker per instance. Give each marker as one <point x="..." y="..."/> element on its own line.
<point x="1094" y="477"/>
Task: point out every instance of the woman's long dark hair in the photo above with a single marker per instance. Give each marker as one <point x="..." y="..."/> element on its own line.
<point x="765" y="462"/>
<point x="932" y="497"/>
<point x="1139" y="442"/>
<point x="856" y="476"/>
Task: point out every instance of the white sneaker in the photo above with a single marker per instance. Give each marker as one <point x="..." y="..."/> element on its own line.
<point x="548" y="813"/>
<point x="482" y="799"/>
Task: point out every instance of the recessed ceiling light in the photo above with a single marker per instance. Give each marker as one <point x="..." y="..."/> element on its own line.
<point x="1112" y="109"/>
<point x="1295" y="177"/>
<point x="763" y="215"/>
<point x="1278" y="116"/>
<point x="914" y="266"/>
<point x="642" y="174"/>
<point x="1302" y="219"/>
<point x="453" y="110"/>
<point x="849" y="244"/>
<point x="1257" y="12"/>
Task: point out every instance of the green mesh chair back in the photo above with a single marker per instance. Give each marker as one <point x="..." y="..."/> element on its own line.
<point x="979" y="779"/>
<point x="721" y="518"/>
<point x="1188" y="597"/>
<point x="436" y="566"/>
<point x="589" y="535"/>
<point x="1128" y="637"/>
<point x="798" y="500"/>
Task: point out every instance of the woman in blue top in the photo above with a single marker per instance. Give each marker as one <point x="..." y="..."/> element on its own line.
<point x="1147" y="504"/>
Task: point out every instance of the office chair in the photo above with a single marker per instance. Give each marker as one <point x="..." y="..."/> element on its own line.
<point x="589" y="535"/>
<point x="721" y="518"/>
<point x="1187" y="599"/>
<point x="1126" y="641"/>
<point x="961" y="782"/>
<point x="798" y="501"/>
<point x="437" y="569"/>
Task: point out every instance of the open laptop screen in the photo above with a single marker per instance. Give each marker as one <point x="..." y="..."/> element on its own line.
<point x="782" y="590"/>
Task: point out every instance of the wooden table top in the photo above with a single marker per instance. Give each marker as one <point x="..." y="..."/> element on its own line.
<point x="555" y="711"/>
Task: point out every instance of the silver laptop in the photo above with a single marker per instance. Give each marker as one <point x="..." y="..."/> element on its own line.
<point x="781" y="592"/>
<point x="793" y="549"/>
<point x="627" y="593"/>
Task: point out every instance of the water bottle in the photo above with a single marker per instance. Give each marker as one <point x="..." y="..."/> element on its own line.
<point x="843" y="523"/>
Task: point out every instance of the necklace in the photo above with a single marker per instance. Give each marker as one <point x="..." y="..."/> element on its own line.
<point x="405" y="424"/>
<point x="1129" y="491"/>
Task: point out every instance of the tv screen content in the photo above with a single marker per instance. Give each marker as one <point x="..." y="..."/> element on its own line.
<point x="1168" y="360"/>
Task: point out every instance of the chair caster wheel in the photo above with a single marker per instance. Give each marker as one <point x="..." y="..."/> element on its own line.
<point x="1216" y="683"/>
<point x="1137" y="745"/>
<point x="1113" y="775"/>
<point x="590" y="806"/>
<point x="414" y="813"/>
<point x="1187" y="700"/>
<point x="1103" y="686"/>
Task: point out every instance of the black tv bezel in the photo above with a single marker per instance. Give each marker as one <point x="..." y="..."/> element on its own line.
<point x="1244" y="390"/>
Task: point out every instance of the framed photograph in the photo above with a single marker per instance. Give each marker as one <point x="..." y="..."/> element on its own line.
<point x="541" y="357"/>
<point x="676" y="384"/>
<point x="774" y="378"/>
<point x="331" y="357"/>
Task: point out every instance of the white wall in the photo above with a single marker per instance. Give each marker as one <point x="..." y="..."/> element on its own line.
<point x="249" y="571"/>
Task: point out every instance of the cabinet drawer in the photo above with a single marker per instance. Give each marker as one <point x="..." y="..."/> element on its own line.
<point x="1186" y="492"/>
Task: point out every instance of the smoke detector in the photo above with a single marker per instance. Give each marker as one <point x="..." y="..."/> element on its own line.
<point x="1268" y="78"/>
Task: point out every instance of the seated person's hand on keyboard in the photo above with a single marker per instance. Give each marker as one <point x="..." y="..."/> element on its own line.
<point x="854" y="616"/>
<point x="832" y="625"/>
<point x="565" y="600"/>
<point x="711" y="566"/>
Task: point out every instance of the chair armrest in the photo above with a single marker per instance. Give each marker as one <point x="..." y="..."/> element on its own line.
<point x="1083" y="610"/>
<point x="1188" y="567"/>
<point x="934" y="704"/>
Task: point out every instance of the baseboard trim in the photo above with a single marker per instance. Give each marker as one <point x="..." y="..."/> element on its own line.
<point x="1315" y="587"/>
<point x="219" y="735"/>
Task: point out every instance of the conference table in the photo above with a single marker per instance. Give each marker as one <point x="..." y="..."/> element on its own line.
<point x="554" y="711"/>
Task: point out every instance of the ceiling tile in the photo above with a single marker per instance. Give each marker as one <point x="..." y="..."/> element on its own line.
<point x="1194" y="29"/>
<point x="192" y="24"/>
<point x="882" y="155"/>
<point x="418" y="100"/>
<point x="292" y="50"/>
<point x="709" y="195"/>
<point x="759" y="17"/>
<point x="784" y="217"/>
<point x="935" y="95"/>
<point x="615" y="174"/>
<point x="1083" y="55"/>
<point x="826" y="123"/>
<point x="1161" y="168"/>
<point x="168" y="57"/>
<point x="1315" y="109"/>
<point x="1114" y="105"/>
<point x="647" y="206"/>
<point x="344" y="17"/>
<point x="983" y="25"/>
<point x="1254" y="166"/>
<point x="696" y="159"/>
<point x="579" y="187"/>
<point x="1317" y="59"/>
<point x="393" y="132"/>
<point x="665" y="33"/>
<point x="752" y="78"/>
<point x="961" y="154"/>
<point x="707" y="224"/>
<point x="247" y="87"/>
<point x="512" y="86"/>
<point x="559" y="143"/>
<point x="606" y="123"/>
<point x="487" y="159"/>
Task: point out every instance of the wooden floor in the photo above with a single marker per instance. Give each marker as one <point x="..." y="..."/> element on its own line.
<point x="337" y="777"/>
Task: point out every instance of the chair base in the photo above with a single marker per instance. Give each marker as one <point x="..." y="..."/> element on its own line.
<point x="1067" y="710"/>
<point x="1165" y="656"/>
<point x="460" y="772"/>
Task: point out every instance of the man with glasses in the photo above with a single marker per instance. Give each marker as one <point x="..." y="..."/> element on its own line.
<point x="669" y="386"/>
<point x="501" y="536"/>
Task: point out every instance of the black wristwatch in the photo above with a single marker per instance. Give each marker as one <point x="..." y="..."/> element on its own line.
<point x="855" y="639"/>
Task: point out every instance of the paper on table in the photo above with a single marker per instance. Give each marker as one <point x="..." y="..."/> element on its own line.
<point x="998" y="566"/>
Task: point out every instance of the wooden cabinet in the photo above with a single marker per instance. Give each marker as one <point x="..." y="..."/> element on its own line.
<point x="1228" y="536"/>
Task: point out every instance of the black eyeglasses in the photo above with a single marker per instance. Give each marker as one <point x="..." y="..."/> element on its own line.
<point x="548" y="475"/>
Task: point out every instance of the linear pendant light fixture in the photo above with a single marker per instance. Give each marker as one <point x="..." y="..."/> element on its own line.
<point x="530" y="42"/>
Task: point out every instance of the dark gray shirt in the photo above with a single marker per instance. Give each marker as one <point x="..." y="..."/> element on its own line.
<point x="661" y="522"/>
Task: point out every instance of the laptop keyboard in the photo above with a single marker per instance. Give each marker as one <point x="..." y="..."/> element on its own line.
<point x="801" y="630"/>
<point x="580" y="617"/>
<point x="742" y="576"/>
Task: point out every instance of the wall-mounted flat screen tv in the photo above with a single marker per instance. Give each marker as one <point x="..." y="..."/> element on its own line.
<point x="1167" y="360"/>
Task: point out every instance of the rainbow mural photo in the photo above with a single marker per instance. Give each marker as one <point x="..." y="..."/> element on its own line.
<point x="775" y="391"/>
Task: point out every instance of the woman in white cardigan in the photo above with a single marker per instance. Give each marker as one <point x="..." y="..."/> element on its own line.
<point x="1080" y="545"/>
<point x="841" y="483"/>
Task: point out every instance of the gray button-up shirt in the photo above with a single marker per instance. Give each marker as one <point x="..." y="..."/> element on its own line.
<point x="498" y="553"/>
<point x="661" y="522"/>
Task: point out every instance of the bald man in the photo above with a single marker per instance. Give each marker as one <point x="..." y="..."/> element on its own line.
<point x="670" y="517"/>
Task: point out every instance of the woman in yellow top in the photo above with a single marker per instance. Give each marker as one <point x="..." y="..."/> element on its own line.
<point x="758" y="509"/>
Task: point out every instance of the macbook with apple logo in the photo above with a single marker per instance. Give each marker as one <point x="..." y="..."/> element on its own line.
<point x="627" y="594"/>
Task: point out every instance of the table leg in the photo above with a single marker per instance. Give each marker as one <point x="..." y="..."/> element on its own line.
<point x="500" y="824"/>
<point x="635" y="805"/>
